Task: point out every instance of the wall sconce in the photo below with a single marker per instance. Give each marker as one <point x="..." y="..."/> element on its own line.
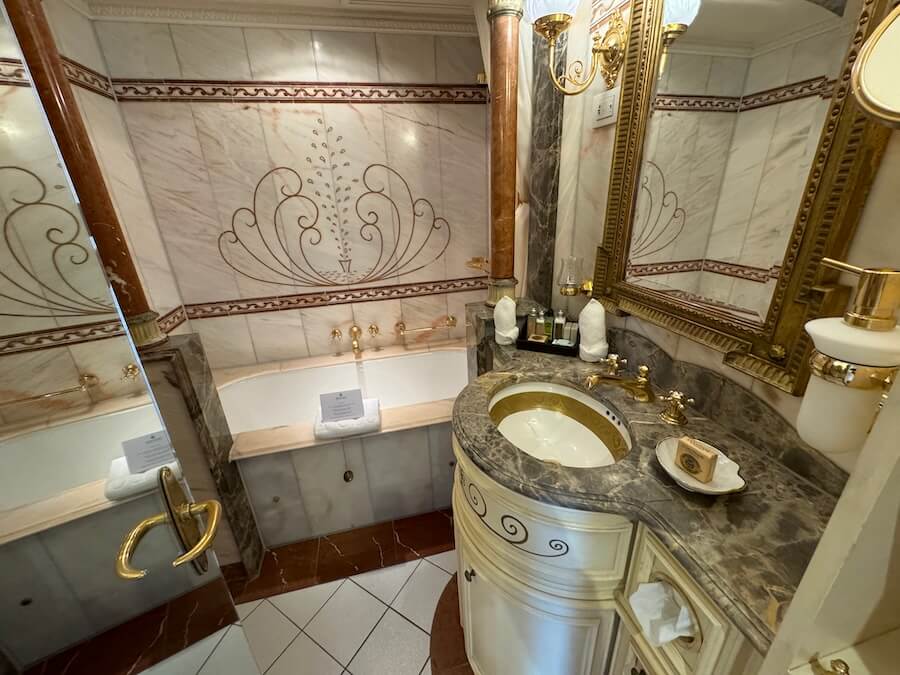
<point x="854" y="363"/>
<point x="678" y="15"/>
<point x="552" y="18"/>
<point x="571" y="282"/>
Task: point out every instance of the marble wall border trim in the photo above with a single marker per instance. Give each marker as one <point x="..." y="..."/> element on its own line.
<point x="12" y="73"/>
<point x="86" y="78"/>
<point x="89" y="332"/>
<point x="747" y="272"/>
<point x="816" y="86"/>
<point x="296" y="92"/>
<point x="329" y="298"/>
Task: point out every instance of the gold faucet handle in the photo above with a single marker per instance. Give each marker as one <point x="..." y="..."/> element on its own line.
<point x="673" y="413"/>
<point x="373" y="329"/>
<point x="336" y="334"/>
<point x="615" y="363"/>
<point x="643" y="374"/>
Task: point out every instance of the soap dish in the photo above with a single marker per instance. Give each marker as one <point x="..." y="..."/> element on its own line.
<point x="726" y="479"/>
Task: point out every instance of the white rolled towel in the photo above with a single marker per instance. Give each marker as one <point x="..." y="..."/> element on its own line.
<point x="506" y="330"/>
<point x="122" y="484"/>
<point x="369" y="422"/>
<point x="592" y="328"/>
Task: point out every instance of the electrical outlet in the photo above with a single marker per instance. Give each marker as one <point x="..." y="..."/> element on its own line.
<point x="606" y="108"/>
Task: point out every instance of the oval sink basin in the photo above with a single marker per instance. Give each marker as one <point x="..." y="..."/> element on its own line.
<point x="559" y="424"/>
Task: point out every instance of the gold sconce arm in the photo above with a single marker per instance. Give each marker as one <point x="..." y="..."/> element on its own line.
<point x="213" y="511"/>
<point x="130" y="543"/>
<point x="607" y="53"/>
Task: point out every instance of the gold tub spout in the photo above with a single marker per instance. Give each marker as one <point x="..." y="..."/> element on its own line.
<point x="355" y="333"/>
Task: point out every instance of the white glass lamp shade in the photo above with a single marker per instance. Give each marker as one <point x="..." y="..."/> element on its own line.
<point x="680" y="11"/>
<point x="535" y="9"/>
<point x="570" y="271"/>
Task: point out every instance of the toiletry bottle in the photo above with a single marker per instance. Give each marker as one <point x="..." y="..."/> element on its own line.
<point x="548" y="327"/>
<point x="532" y="321"/>
<point x="559" y="326"/>
<point x="539" y="328"/>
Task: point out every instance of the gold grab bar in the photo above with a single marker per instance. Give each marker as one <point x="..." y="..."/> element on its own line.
<point x="449" y="321"/>
<point x="85" y="382"/>
<point x="182" y="514"/>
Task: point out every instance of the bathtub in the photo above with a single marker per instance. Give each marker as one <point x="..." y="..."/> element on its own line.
<point x="43" y="462"/>
<point x="301" y="487"/>
<point x="289" y="395"/>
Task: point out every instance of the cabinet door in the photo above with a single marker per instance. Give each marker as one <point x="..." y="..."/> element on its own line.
<point x="506" y="636"/>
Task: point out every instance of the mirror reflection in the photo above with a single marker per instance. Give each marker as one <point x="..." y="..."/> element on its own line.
<point x="71" y="389"/>
<point x="741" y="100"/>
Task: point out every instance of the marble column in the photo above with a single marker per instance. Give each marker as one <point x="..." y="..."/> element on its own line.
<point x="183" y="386"/>
<point x="45" y="66"/>
<point x="504" y="17"/>
<point x="543" y="189"/>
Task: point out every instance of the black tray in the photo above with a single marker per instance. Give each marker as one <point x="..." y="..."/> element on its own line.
<point x="544" y="347"/>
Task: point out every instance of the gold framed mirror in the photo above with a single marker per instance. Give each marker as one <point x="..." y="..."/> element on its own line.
<point x="832" y="150"/>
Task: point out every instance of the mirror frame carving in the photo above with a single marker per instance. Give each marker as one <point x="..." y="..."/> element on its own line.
<point x="850" y="149"/>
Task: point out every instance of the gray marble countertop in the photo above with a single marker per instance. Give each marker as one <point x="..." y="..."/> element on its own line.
<point x="748" y="550"/>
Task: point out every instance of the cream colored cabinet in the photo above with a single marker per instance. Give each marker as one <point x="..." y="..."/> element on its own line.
<point x="537" y="582"/>
<point x="717" y="647"/>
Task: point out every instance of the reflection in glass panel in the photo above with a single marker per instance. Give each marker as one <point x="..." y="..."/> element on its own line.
<point x="69" y="390"/>
<point x="733" y="131"/>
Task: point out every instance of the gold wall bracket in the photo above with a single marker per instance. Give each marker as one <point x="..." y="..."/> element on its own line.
<point x="607" y="53"/>
<point x="182" y="515"/>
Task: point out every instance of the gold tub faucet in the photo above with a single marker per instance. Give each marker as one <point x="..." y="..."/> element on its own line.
<point x="355" y="333"/>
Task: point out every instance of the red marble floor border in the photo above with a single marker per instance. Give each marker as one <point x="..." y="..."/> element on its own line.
<point x="448" y="644"/>
<point x="322" y="559"/>
<point x="154" y="636"/>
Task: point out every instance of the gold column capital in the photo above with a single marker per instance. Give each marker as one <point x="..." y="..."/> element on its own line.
<point x="504" y="7"/>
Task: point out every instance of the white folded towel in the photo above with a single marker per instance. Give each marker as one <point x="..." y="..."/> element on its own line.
<point x="592" y="327"/>
<point x="506" y="330"/>
<point x="369" y="422"/>
<point x="122" y="484"/>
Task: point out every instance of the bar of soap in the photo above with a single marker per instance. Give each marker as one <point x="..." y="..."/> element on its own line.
<point x="696" y="459"/>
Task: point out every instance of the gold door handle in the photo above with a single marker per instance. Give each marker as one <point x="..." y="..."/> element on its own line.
<point x="182" y="515"/>
<point x="213" y="511"/>
<point x="129" y="544"/>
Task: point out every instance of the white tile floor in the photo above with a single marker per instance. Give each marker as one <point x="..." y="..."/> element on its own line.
<point x="375" y="623"/>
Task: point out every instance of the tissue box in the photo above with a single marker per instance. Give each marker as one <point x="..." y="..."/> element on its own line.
<point x="696" y="459"/>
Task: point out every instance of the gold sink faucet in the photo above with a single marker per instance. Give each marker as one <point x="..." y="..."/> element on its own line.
<point x="639" y="387"/>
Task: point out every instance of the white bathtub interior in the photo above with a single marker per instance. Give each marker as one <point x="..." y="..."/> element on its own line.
<point x="292" y="396"/>
<point x="43" y="463"/>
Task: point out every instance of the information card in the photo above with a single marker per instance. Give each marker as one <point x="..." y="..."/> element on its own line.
<point x="148" y="452"/>
<point x="342" y="405"/>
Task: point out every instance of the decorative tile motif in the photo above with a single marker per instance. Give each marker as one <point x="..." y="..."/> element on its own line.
<point x="295" y="92"/>
<point x="748" y="272"/>
<point x="327" y="298"/>
<point x="56" y="337"/>
<point x="658" y="219"/>
<point x="86" y="78"/>
<point x="12" y="73"/>
<point x="816" y="86"/>
<point x="283" y="243"/>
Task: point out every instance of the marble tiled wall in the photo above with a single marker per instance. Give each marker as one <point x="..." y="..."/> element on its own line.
<point x="43" y="289"/>
<point x="202" y="160"/>
<point x="303" y="493"/>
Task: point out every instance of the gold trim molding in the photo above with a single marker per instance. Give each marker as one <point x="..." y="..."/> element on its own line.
<point x="847" y="158"/>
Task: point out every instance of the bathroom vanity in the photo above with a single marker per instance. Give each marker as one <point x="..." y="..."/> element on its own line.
<point x="549" y="554"/>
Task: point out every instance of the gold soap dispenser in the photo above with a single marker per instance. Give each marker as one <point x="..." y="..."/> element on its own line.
<point x="854" y="362"/>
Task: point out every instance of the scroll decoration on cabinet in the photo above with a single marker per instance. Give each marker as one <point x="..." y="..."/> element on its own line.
<point x="323" y="227"/>
<point x="58" y="276"/>
<point x="514" y="530"/>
